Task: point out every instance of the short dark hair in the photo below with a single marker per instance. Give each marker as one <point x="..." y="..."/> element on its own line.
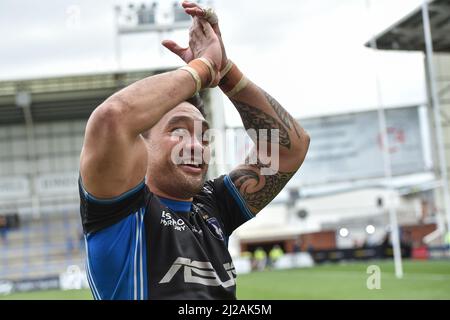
<point x="197" y="101"/>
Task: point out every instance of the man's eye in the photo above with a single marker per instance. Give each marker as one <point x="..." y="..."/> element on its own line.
<point x="179" y="132"/>
<point x="206" y="139"/>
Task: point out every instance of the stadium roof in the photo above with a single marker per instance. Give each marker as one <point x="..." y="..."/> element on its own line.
<point x="63" y="98"/>
<point x="408" y="34"/>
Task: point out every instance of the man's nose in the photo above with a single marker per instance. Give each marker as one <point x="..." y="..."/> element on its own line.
<point x="195" y="143"/>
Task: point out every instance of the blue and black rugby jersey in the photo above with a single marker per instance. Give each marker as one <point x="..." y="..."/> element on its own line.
<point x="142" y="246"/>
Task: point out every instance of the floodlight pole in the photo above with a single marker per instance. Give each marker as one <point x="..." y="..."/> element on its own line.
<point x="24" y="101"/>
<point x="388" y="176"/>
<point x="436" y="109"/>
<point x="385" y="149"/>
<point x="117" y="51"/>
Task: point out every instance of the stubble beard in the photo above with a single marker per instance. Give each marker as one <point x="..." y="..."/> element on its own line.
<point x="174" y="182"/>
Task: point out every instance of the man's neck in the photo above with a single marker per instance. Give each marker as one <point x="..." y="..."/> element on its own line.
<point x="162" y="194"/>
<point x="175" y="204"/>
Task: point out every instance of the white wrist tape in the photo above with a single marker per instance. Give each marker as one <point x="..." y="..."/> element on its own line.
<point x="210" y="15"/>
<point x="227" y="68"/>
<point x="238" y="88"/>
<point x="195" y="76"/>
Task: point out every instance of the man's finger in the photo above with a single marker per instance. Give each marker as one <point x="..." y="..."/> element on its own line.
<point x="172" y="46"/>
<point x="195" y="12"/>
<point x="207" y="13"/>
<point x="197" y="28"/>
<point x="193" y="9"/>
<point x="187" y="4"/>
<point x="217" y="29"/>
<point x="207" y="29"/>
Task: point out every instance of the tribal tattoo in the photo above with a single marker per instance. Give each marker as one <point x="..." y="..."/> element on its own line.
<point x="282" y="114"/>
<point x="258" y="190"/>
<point x="254" y="118"/>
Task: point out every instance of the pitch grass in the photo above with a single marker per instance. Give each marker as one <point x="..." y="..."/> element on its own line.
<point x="422" y="280"/>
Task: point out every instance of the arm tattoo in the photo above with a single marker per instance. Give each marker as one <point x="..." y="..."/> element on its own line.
<point x="258" y="190"/>
<point x="254" y="118"/>
<point x="282" y="114"/>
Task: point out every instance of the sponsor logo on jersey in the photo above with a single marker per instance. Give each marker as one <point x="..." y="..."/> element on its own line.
<point x="212" y="223"/>
<point x="200" y="272"/>
<point x="167" y="220"/>
<point x="215" y="228"/>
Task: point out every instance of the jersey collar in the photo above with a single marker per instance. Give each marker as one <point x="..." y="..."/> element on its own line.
<point x="176" y="205"/>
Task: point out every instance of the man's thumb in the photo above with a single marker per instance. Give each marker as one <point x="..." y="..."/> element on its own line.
<point x="172" y="46"/>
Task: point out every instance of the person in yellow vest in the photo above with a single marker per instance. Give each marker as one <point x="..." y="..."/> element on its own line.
<point x="275" y="253"/>
<point x="247" y="255"/>
<point x="447" y="240"/>
<point x="260" y="256"/>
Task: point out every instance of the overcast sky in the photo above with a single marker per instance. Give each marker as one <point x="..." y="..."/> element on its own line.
<point x="309" y="54"/>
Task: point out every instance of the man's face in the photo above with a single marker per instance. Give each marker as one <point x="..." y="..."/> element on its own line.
<point x="177" y="151"/>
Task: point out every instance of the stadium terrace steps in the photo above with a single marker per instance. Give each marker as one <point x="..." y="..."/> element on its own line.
<point x="40" y="248"/>
<point x="38" y="270"/>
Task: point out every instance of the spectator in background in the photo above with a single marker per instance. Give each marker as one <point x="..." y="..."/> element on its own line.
<point x="248" y="255"/>
<point x="385" y="246"/>
<point x="366" y="243"/>
<point x="406" y="244"/>
<point x="296" y="249"/>
<point x="310" y="248"/>
<point x="274" y="255"/>
<point x="297" y="246"/>
<point x="447" y="239"/>
<point x="260" y="256"/>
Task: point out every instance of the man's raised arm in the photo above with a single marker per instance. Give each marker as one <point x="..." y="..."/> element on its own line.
<point x="258" y="110"/>
<point x="114" y="157"/>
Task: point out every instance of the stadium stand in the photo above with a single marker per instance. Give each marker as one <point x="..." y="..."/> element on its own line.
<point x="42" y="125"/>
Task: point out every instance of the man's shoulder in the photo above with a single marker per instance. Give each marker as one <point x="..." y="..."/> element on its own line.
<point x="208" y="197"/>
<point x="211" y="189"/>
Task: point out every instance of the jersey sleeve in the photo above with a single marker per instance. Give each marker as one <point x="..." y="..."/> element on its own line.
<point x="115" y="244"/>
<point x="222" y="195"/>
<point x="98" y="214"/>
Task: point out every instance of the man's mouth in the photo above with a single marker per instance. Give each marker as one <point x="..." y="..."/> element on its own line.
<point x="192" y="163"/>
<point x="191" y="166"/>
